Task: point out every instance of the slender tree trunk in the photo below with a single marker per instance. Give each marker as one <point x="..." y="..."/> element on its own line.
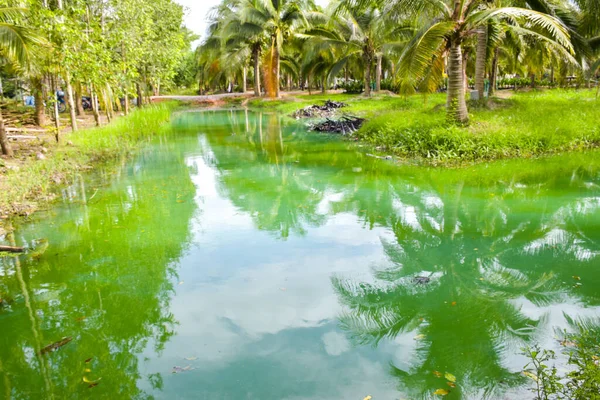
<point x="244" y="79"/>
<point x="56" y="112"/>
<point x="494" y="72"/>
<point x="94" y="99"/>
<point x="368" y="61"/>
<point x="107" y="105"/>
<point x="38" y="95"/>
<point x="456" y="103"/>
<point x="126" y="104"/>
<point x="277" y="73"/>
<point x="4" y="145"/>
<point x="482" y="39"/>
<point x="379" y="71"/>
<point x="78" y="100"/>
<point x="140" y="95"/>
<point x="464" y="71"/>
<point x="256" y="56"/>
<point x="71" y="102"/>
<point x="324" y="85"/>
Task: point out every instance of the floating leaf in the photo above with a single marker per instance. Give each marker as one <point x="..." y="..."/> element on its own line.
<point x="437" y="373"/>
<point x="80" y="319"/>
<point x="530" y="375"/>
<point x="87" y="370"/>
<point x="368" y="398"/>
<point x="88" y="360"/>
<point x="55" y="346"/>
<point x="441" y="392"/>
<point x="577" y="278"/>
<point x="86" y="380"/>
<point x="450" y="377"/>
<point x="451" y="384"/>
<point x="191" y="358"/>
<point x="453" y="303"/>
<point x="419" y="337"/>
<point x="93" y="385"/>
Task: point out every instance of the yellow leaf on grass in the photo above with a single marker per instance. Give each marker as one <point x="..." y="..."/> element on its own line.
<point x="530" y="375"/>
<point x="441" y="392"/>
<point x="450" y="377"/>
<point x="368" y="398"/>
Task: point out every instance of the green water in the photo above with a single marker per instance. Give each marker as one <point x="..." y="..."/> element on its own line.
<point x="257" y="261"/>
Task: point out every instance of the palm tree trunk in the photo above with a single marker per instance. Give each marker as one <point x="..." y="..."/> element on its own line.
<point x="6" y="149"/>
<point x="38" y="94"/>
<point x="244" y="79"/>
<point x="277" y="72"/>
<point x="494" y="72"/>
<point x="368" y="61"/>
<point x="256" y="55"/>
<point x="482" y="39"/>
<point x="378" y="78"/>
<point x="464" y="71"/>
<point x="456" y="103"/>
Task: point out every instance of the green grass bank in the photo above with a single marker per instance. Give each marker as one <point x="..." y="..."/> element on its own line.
<point x="528" y="124"/>
<point x="32" y="185"/>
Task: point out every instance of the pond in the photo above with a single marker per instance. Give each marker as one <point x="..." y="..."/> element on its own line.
<point x="240" y="257"/>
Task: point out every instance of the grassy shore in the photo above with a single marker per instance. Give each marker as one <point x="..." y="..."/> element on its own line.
<point x="23" y="189"/>
<point x="525" y="125"/>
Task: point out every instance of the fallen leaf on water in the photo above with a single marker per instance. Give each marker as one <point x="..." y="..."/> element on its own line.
<point x="450" y="377"/>
<point x="93" y="385"/>
<point x="181" y="283"/>
<point x="441" y="392"/>
<point x="191" y="358"/>
<point x="530" y="375"/>
<point x="55" y="346"/>
<point x="368" y="398"/>
<point x="80" y="319"/>
<point x="88" y="360"/>
<point x="568" y="343"/>
<point x="437" y="373"/>
<point x="283" y="289"/>
<point x="419" y="337"/>
<point x="577" y="278"/>
<point x="87" y="370"/>
<point x="181" y="201"/>
<point x="451" y="384"/>
<point x="453" y="303"/>
<point x="86" y="380"/>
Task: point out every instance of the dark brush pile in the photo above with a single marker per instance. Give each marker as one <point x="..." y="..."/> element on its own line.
<point x="316" y="111"/>
<point x="345" y="125"/>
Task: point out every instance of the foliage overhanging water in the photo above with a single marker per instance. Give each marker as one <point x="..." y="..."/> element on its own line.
<point x="240" y="257"/>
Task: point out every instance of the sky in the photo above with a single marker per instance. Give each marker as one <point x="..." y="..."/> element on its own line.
<point x="197" y="13"/>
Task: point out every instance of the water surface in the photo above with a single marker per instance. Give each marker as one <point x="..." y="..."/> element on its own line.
<point x="240" y="257"/>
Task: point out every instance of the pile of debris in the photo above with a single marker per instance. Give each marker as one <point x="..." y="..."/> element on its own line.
<point x="345" y="125"/>
<point x="315" y="111"/>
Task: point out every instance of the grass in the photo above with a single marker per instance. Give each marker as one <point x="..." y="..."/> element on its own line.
<point x="527" y="125"/>
<point x="21" y="190"/>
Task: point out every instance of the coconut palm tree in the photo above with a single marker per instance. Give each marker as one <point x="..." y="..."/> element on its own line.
<point x="279" y="20"/>
<point x="15" y="42"/>
<point x="443" y="35"/>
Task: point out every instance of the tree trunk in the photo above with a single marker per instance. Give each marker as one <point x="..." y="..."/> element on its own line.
<point x="256" y="55"/>
<point x="324" y="85"/>
<point x="482" y="39"/>
<point x="71" y="102"/>
<point x="368" y="61"/>
<point x="126" y="104"/>
<point x="4" y="145"/>
<point x="38" y="95"/>
<point x="107" y="106"/>
<point x="464" y="71"/>
<point x="140" y="95"/>
<point x="78" y="100"/>
<point x="55" y="108"/>
<point x="94" y="100"/>
<point x="494" y="73"/>
<point x="277" y="72"/>
<point x="378" y="77"/>
<point x="456" y="103"/>
<point x="244" y="79"/>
